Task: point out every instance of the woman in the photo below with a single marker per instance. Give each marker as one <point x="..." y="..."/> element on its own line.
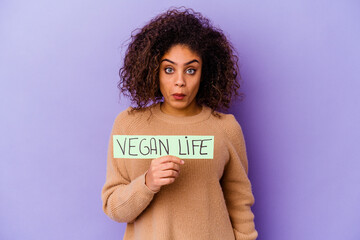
<point x="178" y="70"/>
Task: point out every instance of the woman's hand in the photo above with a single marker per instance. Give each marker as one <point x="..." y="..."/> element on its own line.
<point x="162" y="171"/>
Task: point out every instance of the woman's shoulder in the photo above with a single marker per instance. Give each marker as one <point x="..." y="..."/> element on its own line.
<point x="228" y="123"/>
<point x="129" y="118"/>
<point x="131" y="113"/>
<point x="224" y="118"/>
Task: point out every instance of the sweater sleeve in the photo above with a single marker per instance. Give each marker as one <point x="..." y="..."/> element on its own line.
<point x="123" y="199"/>
<point x="236" y="185"/>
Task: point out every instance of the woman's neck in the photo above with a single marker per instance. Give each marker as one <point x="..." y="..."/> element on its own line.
<point x="189" y="111"/>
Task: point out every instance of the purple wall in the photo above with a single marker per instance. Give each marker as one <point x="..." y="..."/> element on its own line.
<point x="58" y="70"/>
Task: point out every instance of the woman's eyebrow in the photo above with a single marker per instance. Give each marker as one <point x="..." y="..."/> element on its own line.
<point x="176" y="64"/>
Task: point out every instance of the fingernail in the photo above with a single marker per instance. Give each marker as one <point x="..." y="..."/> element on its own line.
<point x="182" y="161"/>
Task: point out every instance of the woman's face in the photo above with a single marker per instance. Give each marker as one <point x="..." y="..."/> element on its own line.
<point x="180" y="73"/>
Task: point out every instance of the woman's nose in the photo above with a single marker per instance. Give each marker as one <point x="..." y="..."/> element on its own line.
<point x="180" y="81"/>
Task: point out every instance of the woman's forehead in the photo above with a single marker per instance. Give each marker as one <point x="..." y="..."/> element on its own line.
<point x="180" y="54"/>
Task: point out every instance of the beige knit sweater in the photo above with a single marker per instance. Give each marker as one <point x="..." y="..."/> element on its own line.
<point x="210" y="199"/>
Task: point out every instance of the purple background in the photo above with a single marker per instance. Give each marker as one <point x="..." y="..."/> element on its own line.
<point x="300" y="64"/>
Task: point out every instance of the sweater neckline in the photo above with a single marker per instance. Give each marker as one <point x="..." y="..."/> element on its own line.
<point x="201" y="116"/>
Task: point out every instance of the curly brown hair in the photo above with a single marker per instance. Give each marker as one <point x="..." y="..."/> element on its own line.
<point x="139" y="76"/>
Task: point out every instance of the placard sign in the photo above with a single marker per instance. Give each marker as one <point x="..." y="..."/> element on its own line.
<point x="150" y="146"/>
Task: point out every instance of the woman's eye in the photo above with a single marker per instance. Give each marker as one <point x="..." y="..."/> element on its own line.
<point x="192" y="71"/>
<point x="169" y="70"/>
